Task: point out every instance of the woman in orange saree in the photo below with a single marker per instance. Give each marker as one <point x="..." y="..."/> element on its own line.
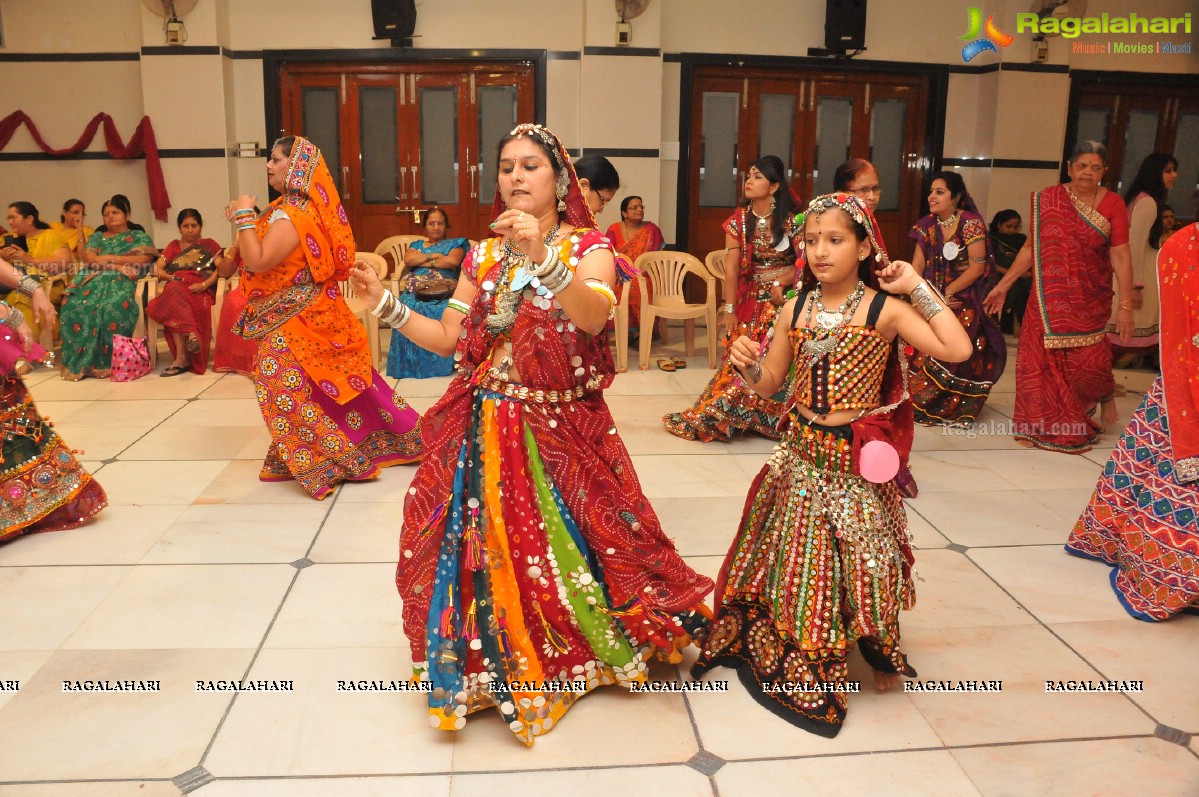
<point x="331" y="416"/>
<point x="1143" y="518"/>
<point x="633" y="236"/>
<point x="1064" y="362"/>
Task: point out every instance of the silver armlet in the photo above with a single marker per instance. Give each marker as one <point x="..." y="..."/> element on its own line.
<point x="924" y="299"/>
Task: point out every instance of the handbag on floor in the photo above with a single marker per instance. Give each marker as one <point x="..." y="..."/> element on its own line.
<point x="130" y="358"/>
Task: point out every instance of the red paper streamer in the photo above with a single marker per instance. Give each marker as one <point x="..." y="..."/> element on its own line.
<point x="141" y="145"/>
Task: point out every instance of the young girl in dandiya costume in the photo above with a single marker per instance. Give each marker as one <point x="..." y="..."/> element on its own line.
<point x="529" y="552"/>
<point x="823" y="558"/>
<point x="331" y="415"/>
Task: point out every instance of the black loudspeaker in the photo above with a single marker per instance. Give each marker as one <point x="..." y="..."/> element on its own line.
<point x="845" y="25"/>
<point x="394" y="19"/>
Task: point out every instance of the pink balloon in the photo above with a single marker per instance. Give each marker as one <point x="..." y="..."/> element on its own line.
<point x="880" y="461"/>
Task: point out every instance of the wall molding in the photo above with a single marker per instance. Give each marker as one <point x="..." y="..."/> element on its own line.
<point x="999" y="163"/>
<point x="617" y="152"/>
<point x="636" y="52"/>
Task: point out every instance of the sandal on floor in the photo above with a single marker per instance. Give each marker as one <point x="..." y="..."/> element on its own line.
<point x="193" y="344"/>
<point x="679" y="363"/>
<point x="173" y="370"/>
<point x="667" y="364"/>
<point x="25" y="368"/>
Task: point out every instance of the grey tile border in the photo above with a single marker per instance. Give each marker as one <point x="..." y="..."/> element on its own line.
<point x="194" y="778"/>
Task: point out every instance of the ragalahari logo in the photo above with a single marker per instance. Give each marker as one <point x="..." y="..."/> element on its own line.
<point x="994" y="35"/>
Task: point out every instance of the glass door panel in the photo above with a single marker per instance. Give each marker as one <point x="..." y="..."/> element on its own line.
<point x="719" y="183"/>
<point x="776" y="128"/>
<point x="834" y="139"/>
<point x="439" y="159"/>
<point x="1184" y="197"/>
<point x="497" y="115"/>
<point x="378" y="130"/>
<point x="1093" y="124"/>
<point x="1140" y="139"/>
<point x="888" y="129"/>
<point x="321" y="124"/>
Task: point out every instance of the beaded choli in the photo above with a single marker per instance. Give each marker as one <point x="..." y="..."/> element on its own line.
<point x="545" y="347"/>
<point x="850" y="377"/>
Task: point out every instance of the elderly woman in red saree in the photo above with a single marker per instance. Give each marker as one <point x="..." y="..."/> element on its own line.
<point x="761" y="240"/>
<point x="331" y="415"/>
<point x="184" y="304"/>
<point x="1143" y="518"/>
<point x="1064" y="362"/>
<point x="529" y="552"/>
<point x="633" y="236"/>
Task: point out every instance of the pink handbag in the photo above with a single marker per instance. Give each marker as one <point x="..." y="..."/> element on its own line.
<point x="130" y="358"/>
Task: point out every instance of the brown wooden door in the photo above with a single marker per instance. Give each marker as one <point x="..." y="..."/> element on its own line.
<point x="813" y="121"/>
<point x="401" y="138"/>
<point x="1133" y="121"/>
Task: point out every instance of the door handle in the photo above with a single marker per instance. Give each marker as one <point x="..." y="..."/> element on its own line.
<point x="415" y="193"/>
<point x="403" y="182"/>
<point x="474" y="173"/>
<point x="414" y="211"/>
<point x="345" y="183"/>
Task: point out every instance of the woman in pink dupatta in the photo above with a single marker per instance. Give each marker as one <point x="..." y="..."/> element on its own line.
<point x="1064" y="362"/>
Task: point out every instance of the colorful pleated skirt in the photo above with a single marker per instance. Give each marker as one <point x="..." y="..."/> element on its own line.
<point x="822" y="561"/>
<point x="520" y="616"/>
<point x="1142" y="521"/>
<point x="42" y="486"/>
<point x="320" y="443"/>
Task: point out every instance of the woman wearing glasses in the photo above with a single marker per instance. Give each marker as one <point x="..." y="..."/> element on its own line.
<point x="633" y="236"/>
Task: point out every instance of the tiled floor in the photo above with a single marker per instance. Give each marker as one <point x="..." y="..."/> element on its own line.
<point x="199" y="572"/>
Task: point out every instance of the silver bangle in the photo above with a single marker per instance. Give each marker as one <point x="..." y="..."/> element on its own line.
<point x="924" y="299"/>
<point x="28" y="285"/>
<point x="753" y="372"/>
<point x="553" y="273"/>
<point x="13" y="317"/>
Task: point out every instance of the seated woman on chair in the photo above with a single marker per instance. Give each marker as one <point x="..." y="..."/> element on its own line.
<point x="434" y="268"/>
<point x="100" y="300"/>
<point x="187" y="273"/>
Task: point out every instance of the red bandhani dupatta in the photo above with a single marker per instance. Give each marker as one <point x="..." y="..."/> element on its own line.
<point x="1072" y="268"/>
<point x="1178" y="283"/>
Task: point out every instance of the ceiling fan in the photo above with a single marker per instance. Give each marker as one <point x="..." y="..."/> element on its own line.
<point x="170" y="11"/>
<point x="1059" y="9"/>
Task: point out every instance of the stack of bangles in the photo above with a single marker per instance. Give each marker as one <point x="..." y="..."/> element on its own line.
<point x="12" y="317"/>
<point x="555" y="276"/>
<point x="395" y="313"/>
<point x="28" y="285"/>
<point x="553" y="273"/>
<point x="244" y="219"/>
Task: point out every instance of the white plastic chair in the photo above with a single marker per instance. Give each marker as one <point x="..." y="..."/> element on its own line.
<point x="359" y="307"/>
<point x="665" y="272"/>
<point x="397" y="247"/>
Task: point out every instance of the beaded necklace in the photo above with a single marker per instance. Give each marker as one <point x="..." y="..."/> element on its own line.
<point x="828" y="324"/>
<point x="507" y="297"/>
